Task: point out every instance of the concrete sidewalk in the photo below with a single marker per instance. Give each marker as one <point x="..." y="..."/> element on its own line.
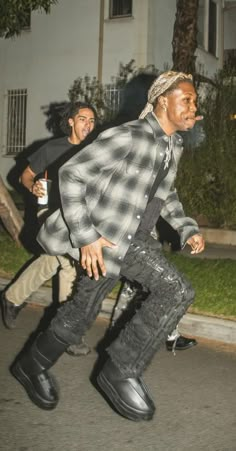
<point x="194" y="393"/>
<point x="194" y="325"/>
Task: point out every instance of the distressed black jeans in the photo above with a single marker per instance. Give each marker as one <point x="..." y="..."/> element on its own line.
<point x="169" y="296"/>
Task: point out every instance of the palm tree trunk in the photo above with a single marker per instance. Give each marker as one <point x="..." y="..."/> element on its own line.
<point x="184" y="41"/>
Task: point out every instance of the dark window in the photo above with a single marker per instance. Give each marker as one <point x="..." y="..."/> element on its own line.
<point x="120" y="8"/>
<point x="212" y="27"/>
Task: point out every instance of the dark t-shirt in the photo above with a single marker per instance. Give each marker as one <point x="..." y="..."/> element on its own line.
<point x="154" y="206"/>
<point x="47" y="158"/>
<point x="48" y="153"/>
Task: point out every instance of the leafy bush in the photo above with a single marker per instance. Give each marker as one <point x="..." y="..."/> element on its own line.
<point x="206" y="178"/>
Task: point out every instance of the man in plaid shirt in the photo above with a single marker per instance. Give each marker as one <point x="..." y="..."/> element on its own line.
<point x="112" y="194"/>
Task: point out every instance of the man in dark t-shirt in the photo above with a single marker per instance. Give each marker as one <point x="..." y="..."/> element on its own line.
<point x="77" y="122"/>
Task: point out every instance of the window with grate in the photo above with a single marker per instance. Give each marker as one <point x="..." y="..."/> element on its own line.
<point x="16" y="121"/>
<point x="120" y="8"/>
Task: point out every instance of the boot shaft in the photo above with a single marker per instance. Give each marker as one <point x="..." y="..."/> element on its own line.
<point x="44" y="352"/>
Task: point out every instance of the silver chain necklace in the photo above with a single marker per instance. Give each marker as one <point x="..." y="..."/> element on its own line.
<point x="168" y="153"/>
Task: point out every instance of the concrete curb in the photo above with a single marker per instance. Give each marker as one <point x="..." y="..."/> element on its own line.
<point x="194" y="325"/>
<point x="219" y="236"/>
<point x="208" y="327"/>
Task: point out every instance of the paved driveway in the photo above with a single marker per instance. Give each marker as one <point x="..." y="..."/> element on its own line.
<point x="194" y="393"/>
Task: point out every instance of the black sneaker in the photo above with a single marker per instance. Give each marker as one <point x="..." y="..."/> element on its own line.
<point x="10" y="312"/>
<point x="180" y="344"/>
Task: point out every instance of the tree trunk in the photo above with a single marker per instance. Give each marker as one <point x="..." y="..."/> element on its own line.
<point x="184" y="43"/>
<point x="9" y="214"/>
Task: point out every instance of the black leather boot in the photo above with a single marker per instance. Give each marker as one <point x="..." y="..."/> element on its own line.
<point x="30" y="370"/>
<point x="129" y="395"/>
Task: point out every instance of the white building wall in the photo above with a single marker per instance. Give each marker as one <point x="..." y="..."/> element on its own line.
<point x="125" y="39"/>
<point x="160" y="33"/>
<point x="46" y="60"/>
<point x="230" y="28"/>
<point x="64" y="45"/>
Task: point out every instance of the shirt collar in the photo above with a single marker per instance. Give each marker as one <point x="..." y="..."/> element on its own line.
<point x="157" y="130"/>
<point x="153" y="122"/>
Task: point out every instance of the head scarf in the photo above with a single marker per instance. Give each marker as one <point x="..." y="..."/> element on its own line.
<point x="160" y="85"/>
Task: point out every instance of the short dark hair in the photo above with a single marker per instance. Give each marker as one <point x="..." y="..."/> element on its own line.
<point x="70" y="111"/>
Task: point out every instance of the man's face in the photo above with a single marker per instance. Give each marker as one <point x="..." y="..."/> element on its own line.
<point x="81" y="125"/>
<point x="181" y="107"/>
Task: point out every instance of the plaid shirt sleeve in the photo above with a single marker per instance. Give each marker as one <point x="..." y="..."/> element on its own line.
<point x="173" y="213"/>
<point x="77" y="176"/>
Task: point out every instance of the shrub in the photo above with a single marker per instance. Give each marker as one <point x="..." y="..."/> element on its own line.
<point x="206" y="178"/>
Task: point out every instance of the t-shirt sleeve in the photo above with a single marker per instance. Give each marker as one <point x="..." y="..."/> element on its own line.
<point x="38" y="161"/>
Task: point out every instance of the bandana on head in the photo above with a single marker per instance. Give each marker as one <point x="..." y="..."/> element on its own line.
<point x="160" y="85"/>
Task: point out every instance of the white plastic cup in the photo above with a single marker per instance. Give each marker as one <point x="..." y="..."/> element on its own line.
<point x="45" y="184"/>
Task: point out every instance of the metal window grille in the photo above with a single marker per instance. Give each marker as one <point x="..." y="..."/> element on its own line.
<point x="120" y="8"/>
<point x="16" y="121"/>
<point x="112" y="96"/>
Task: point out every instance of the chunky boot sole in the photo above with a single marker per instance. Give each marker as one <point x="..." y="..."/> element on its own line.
<point x="22" y="377"/>
<point x="124" y="409"/>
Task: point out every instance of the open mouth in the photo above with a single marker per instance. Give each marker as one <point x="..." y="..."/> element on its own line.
<point x="190" y="120"/>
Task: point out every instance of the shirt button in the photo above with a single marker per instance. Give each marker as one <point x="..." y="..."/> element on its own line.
<point x="146" y="196"/>
<point x="161" y="154"/>
<point x="120" y="258"/>
<point x="138" y="216"/>
<point x="137" y="171"/>
<point x="165" y="138"/>
<point x="129" y="237"/>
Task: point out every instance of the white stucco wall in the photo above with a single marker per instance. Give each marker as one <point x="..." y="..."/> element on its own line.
<point x="124" y="39"/>
<point x="64" y="45"/>
<point x="230" y="28"/>
<point x="47" y="60"/>
<point x="160" y="33"/>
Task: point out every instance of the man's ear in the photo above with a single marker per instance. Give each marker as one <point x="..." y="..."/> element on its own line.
<point x="163" y="102"/>
<point x="71" y="122"/>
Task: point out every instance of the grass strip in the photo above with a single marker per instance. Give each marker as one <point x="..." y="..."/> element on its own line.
<point x="213" y="280"/>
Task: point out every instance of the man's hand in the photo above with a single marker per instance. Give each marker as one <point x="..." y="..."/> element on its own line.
<point x="197" y="243"/>
<point x="37" y="189"/>
<point x="92" y="258"/>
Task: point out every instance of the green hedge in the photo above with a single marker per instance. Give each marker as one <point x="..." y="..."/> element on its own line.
<point x="206" y="178"/>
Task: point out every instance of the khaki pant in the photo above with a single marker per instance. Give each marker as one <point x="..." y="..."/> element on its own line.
<point x="37" y="273"/>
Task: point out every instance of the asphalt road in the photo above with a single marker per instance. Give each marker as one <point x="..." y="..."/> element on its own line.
<point x="194" y="393"/>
